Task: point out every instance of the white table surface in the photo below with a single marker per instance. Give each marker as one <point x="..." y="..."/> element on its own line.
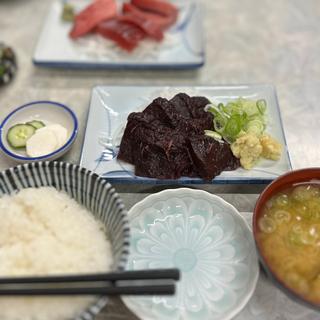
<point x="248" y="42"/>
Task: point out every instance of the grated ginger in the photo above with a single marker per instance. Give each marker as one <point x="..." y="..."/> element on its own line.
<point x="271" y="148"/>
<point x="248" y="149"/>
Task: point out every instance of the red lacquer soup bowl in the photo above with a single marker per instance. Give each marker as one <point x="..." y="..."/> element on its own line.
<point x="292" y="178"/>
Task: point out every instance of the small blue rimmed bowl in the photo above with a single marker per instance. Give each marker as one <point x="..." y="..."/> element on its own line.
<point x="47" y="112"/>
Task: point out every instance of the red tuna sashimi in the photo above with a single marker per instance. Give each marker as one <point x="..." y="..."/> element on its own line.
<point x="149" y="26"/>
<point x="125" y="34"/>
<point x="92" y="15"/>
<point x="157" y="6"/>
<point x="163" y="21"/>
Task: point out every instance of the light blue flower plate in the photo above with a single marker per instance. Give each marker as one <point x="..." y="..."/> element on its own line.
<point x="207" y="239"/>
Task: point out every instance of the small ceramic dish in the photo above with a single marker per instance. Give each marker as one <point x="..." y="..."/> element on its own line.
<point x="307" y="175"/>
<point x="208" y="240"/>
<point x="46" y="111"/>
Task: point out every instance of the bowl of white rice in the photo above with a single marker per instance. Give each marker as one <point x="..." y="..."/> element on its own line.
<point x="58" y="219"/>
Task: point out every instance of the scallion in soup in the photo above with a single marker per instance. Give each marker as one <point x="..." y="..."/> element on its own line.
<point x="289" y="238"/>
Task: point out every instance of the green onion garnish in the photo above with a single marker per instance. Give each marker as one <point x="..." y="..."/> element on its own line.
<point x="237" y="117"/>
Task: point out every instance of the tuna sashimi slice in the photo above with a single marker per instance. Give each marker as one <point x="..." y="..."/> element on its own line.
<point x="157" y="6"/>
<point x="125" y="34"/>
<point x="92" y="15"/>
<point x="162" y="21"/>
<point x="142" y="20"/>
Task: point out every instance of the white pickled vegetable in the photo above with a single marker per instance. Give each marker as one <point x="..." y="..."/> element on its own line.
<point x="60" y="132"/>
<point x="43" y="142"/>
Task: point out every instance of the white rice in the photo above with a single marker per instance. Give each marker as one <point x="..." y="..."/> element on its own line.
<point x="45" y="232"/>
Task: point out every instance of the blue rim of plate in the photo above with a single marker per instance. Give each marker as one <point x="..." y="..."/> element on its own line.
<point x="111" y="66"/>
<point x="188" y="181"/>
<point x="54" y="104"/>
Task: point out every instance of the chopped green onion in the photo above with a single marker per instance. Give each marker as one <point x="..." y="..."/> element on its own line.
<point x="238" y="117"/>
<point x="219" y="123"/>
<point x="213" y="134"/>
<point x="249" y="107"/>
<point x="255" y="127"/>
<point x="262" y="106"/>
<point x="213" y="109"/>
<point x="233" y="126"/>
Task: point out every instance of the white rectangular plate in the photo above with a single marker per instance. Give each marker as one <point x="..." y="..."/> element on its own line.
<point x="111" y="105"/>
<point x="182" y="47"/>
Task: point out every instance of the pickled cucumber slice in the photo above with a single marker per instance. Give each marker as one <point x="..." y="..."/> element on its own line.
<point x="18" y="135"/>
<point x="36" y="123"/>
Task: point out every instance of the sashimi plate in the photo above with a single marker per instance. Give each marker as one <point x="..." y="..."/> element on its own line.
<point x="182" y="47"/>
<point x="111" y="105"/>
<point x="208" y="240"/>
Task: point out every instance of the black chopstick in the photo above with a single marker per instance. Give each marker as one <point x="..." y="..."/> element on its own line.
<point x="167" y="289"/>
<point x="112" y="283"/>
<point x="152" y="274"/>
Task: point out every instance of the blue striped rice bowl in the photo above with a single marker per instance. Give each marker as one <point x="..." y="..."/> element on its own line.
<point x="88" y="189"/>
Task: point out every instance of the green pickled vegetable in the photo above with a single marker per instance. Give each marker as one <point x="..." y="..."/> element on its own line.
<point x="18" y="135"/>
<point x="36" y="124"/>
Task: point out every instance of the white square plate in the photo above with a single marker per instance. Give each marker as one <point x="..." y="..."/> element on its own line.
<point x="111" y="105"/>
<point x="182" y="47"/>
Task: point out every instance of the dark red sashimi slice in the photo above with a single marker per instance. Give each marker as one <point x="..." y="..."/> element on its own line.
<point x="157" y="6"/>
<point x="92" y="15"/>
<point x="125" y="34"/>
<point x="162" y="21"/>
<point x="150" y="27"/>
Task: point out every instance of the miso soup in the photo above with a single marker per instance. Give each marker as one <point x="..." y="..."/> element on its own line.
<point x="289" y="238"/>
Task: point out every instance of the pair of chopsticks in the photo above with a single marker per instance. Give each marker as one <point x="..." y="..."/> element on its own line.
<point x="155" y="282"/>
